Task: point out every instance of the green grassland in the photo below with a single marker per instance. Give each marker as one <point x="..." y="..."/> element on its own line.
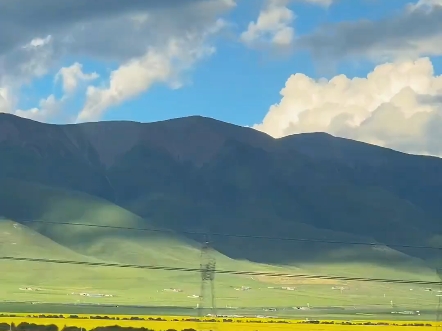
<point x="58" y="283"/>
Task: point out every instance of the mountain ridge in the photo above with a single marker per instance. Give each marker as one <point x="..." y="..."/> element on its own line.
<point x="202" y="174"/>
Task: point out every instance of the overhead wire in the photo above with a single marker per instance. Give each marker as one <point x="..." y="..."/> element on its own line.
<point x="221" y="271"/>
<point x="231" y="272"/>
<point x="234" y="235"/>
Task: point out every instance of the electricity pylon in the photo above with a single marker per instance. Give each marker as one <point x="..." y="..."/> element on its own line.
<point x="207" y="269"/>
<point x="438" y="316"/>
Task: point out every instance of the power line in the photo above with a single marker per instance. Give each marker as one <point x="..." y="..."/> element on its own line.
<point x="233" y="235"/>
<point x="207" y="268"/>
<point x="218" y="271"/>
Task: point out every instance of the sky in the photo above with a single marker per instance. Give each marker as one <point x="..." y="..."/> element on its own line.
<point x="368" y="70"/>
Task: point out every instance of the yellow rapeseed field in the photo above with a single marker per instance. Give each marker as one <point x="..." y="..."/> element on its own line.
<point x="178" y="323"/>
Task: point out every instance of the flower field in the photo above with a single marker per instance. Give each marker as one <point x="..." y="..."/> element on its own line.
<point x="163" y="323"/>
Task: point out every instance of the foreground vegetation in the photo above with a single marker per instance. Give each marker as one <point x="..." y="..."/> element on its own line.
<point x="12" y="322"/>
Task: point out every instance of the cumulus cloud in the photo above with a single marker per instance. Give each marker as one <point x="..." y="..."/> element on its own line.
<point x="273" y="26"/>
<point x="71" y="76"/>
<point x="414" y="32"/>
<point x="48" y="108"/>
<point x="397" y="106"/>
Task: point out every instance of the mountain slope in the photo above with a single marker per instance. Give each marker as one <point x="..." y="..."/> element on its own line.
<point x="246" y="190"/>
<point x="198" y="174"/>
<point x="27" y="202"/>
<point x="45" y="154"/>
<point x="416" y="179"/>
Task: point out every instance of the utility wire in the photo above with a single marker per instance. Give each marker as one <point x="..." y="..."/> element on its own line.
<point x="233" y="235"/>
<point x="218" y="271"/>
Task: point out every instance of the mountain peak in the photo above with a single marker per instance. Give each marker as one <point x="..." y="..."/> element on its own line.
<point x="193" y="138"/>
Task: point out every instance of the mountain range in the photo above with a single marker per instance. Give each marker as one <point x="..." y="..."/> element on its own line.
<point x="318" y="193"/>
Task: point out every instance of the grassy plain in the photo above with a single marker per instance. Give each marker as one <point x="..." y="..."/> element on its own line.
<point x="61" y="284"/>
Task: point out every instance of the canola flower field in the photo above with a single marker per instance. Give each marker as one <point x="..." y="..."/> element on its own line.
<point x="47" y="322"/>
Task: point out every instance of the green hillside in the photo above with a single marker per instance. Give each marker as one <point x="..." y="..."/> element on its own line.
<point x="24" y="201"/>
<point x="94" y="244"/>
<point x="162" y="247"/>
<point x="18" y="240"/>
<point x="56" y="283"/>
<point x="180" y="176"/>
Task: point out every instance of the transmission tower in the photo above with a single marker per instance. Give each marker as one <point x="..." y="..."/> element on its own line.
<point x="207" y="269"/>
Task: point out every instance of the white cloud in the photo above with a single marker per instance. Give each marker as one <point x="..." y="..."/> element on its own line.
<point x="5" y="100"/>
<point x="425" y="3"/>
<point x="25" y="63"/>
<point x="273" y="25"/>
<point x="72" y="76"/>
<point x="39" y="42"/>
<point x="133" y="35"/>
<point x="158" y="65"/>
<point x="48" y="108"/>
<point x="397" y="105"/>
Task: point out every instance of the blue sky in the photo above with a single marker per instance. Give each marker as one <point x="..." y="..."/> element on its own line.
<point x="231" y="59"/>
<point x="236" y="84"/>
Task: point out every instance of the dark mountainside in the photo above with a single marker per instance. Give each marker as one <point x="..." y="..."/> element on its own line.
<point x="199" y="174"/>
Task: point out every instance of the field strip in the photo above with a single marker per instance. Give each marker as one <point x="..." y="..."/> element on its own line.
<point x="88" y="322"/>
